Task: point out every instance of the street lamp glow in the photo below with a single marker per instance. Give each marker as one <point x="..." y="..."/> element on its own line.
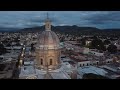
<point x="21" y="43"/>
<point x="22" y="55"/>
<point x="23" y="48"/>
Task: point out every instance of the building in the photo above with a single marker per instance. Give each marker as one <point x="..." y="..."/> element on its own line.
<point x="48" y="49"/>
<point x="91" y="69"/>
<point x="88" y="42"/>
<point x="47" y="64"/>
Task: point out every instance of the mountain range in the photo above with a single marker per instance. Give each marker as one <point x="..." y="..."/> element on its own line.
<point x="65" y="29"/>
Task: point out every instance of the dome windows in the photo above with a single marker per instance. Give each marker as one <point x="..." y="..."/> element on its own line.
<point x="41" y="61"/>
<point x="50" y="61"/>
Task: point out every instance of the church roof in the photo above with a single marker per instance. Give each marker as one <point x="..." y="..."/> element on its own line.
<point x="47" y="76"/>
<point x="48" y="39"/>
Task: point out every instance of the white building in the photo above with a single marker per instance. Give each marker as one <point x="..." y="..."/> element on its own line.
<point x="86" y="51"/>
<point x="91" y="69"/>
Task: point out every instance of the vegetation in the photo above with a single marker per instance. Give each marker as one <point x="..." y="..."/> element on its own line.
<point x="98" y="44"/>
<point x="32" y="47"/>
<point x="62" y="39"/>
<point x="2" y="66"/>
<point x="2" y="49"/>
<point x="106" y="42"/>
<point x="112" y="48"/>
<point x="95" y="44"/>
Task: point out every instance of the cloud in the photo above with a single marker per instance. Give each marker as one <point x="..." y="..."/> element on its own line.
<point x="104" y="18"/>
<point x="22" y="19"/>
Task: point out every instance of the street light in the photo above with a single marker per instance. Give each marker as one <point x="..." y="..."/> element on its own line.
<point x="22" y="55"/>
<point x="21" y="43"/>
<point x="23" y="48"/>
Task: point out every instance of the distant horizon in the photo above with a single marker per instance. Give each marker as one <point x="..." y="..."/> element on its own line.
<point x="18" y="29"/>
<point x="28" y="19"/>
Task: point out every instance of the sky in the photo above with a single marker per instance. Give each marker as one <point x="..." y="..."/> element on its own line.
<point x="25" y="19"/>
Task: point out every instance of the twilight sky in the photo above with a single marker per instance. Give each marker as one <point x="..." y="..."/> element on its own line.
<point x="23" y="19"/>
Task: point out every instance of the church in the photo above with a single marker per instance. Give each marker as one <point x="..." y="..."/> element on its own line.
<point x="47" y="63"/>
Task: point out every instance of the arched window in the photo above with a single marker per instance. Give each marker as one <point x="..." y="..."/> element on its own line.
<point x="83" y="64"/>
<point x="50" y="61"/>
<point x="41" y="61"/>
<point x="48" y="25"/>
<point x="80" y="65"/>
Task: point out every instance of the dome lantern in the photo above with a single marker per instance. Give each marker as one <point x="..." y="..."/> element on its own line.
<point x="47" y="24"/>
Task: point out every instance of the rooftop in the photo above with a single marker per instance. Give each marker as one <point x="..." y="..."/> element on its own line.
<point x="60" y="73"/>
<point x="91" y="69"/>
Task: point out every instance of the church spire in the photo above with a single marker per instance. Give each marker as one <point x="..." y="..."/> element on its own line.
<point x="47" y="24"/>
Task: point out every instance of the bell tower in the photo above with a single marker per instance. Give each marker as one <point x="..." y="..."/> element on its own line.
<point x="47" y="24"/>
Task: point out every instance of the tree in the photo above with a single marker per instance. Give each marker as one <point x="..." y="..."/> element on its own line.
<point x="17" y="39"/>
<point x="106" y="42"/>
<point x="97" y="44"/>
<point x="83" y="41"/>
<point x="2" y="66"/>
<point x="2" y="49"/>
<point x="112" y="48"/>
<point x="32" y="47"/>
<point x="62" y="39"/>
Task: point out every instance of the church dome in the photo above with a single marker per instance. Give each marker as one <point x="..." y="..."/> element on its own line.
<point x="49" y="40"/>
<point x="48" y="49"/>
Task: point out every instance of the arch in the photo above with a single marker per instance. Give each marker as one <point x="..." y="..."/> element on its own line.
<point x="51" y="61"/>
<point x="80" y="65"/>
<point x="83" y="64"/>
<point x="41" y="61"/>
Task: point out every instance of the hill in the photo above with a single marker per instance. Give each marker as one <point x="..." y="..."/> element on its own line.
<point x="70" y="30"/>
<point x="61" y="29"/>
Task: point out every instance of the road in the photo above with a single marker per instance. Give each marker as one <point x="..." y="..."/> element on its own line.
<point x="16" y="70"/>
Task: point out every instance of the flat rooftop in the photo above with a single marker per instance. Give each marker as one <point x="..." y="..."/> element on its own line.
<point x="91" y="69"/>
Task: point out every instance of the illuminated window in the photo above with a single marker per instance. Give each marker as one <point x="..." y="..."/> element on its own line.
<point x="50" y="61"/>
<point x="41" y="61"/>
